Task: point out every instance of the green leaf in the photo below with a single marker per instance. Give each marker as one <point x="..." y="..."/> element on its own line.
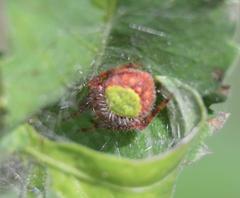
<point x="184" y="112"/>
<point x="94" y="171"/>
<point x="52" y="43"/>
<point x="36" y="181"/>
<point x="183" y="39"/>
<point x="183" y="43"/>
<point x="2" y="29"/>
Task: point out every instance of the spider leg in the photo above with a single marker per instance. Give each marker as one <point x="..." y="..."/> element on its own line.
<point x="92" y="128"/>
<point x="129" y="65"/>
<point x="162" y="105"/>
<point x="97" y="80"/>
<point x="83" y="105"/>
<point x="72" y="115"/>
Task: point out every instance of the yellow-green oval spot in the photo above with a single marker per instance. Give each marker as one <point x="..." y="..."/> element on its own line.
<point x="123" y="101"/>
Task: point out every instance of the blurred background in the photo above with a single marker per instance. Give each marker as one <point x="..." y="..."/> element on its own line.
<point x="218" y="175"/>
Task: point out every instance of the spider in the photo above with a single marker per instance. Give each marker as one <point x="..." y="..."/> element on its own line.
<point x="123" y="98"/>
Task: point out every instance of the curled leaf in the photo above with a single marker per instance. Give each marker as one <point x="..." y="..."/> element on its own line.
<point x="94" y="170"/>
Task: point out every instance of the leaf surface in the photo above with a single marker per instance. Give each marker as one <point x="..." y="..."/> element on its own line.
<point x="94" y="171"/>
<point x="185" y="44"/>
<point x="53" y="43"/>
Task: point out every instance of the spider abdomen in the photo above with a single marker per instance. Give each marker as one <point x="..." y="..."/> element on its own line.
<point x="123" y="99"/>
